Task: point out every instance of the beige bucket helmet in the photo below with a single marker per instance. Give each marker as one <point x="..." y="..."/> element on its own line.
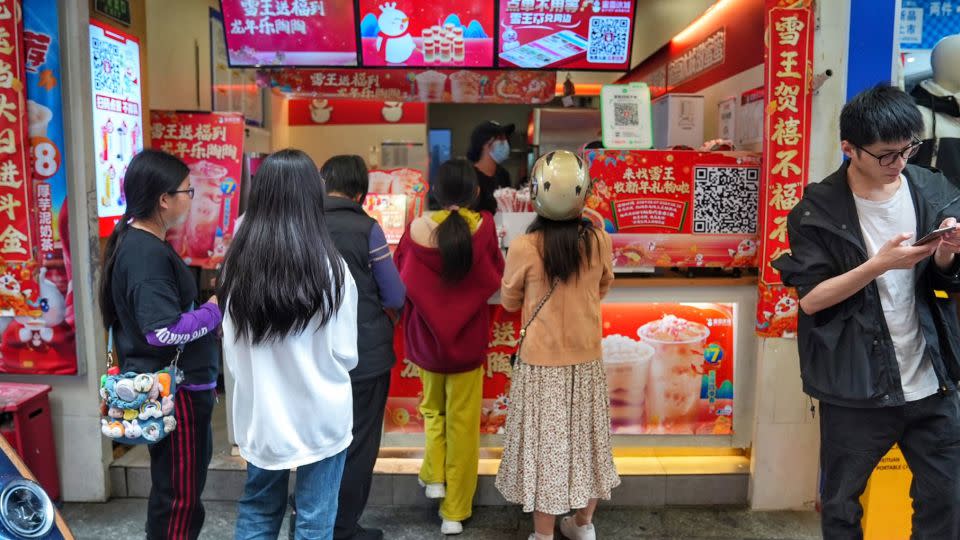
<point x="559" y="185"/>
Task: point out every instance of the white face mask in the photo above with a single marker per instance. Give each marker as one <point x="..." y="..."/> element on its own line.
<point x="500" y="150"/>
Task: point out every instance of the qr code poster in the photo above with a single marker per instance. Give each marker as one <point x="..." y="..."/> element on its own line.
<point x="625" y="116"/>
<point x="117" y="116"/>
<point x="609" y="40"/>
<point x="677" y="208"/>
<point x="566" y="34"/>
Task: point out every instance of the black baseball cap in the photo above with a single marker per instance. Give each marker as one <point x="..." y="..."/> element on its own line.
<point x="483" y="133"/>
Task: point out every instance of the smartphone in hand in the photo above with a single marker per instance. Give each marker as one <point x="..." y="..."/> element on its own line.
<point x="934" y="235"/>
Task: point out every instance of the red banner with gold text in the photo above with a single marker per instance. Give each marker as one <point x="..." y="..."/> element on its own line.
<point x="788" y="80"/>
<point x="18" y="289"/>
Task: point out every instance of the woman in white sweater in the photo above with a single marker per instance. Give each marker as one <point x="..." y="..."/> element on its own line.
<point x="290" y="340"/>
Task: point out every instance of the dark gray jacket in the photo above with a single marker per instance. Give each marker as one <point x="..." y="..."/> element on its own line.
<point x="350" y="228"/>
<point x="846" y="353"/>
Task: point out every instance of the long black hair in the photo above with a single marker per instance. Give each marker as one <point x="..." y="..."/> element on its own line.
<point x="456" y="186"/>
<point x="346" y="174"/>
<point x="150" y="175"/>
<point x="567" y="246"/>
<point x="282" y="269"/>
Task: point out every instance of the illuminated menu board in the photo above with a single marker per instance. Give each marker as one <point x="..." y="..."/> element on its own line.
<point x="305" y="33"/>
<point x="566" y="34"/>
<point x="423" y="33"/>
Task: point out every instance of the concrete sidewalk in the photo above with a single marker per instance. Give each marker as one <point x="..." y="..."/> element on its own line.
<point x="124" y="518"/>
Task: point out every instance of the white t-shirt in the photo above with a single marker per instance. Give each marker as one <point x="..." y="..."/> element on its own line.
<point x="292" y="399"/>
<point x="880" y="221"/>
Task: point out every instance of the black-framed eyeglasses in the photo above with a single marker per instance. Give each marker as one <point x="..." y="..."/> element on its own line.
<point x="188" y="191"/>
<point x="890" y="158"/>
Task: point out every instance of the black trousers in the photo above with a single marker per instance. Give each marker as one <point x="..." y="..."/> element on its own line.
<point x="369" y="402"/>
<point x="178" y="469"/>
<point x="852" y="442"/>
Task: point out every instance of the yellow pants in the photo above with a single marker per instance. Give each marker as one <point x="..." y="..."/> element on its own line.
<point x="451" y="417"/>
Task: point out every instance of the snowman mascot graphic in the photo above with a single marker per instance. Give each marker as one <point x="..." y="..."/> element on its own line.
<point x="394" y="40"/>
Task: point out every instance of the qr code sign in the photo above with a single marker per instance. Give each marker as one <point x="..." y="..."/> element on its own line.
<point x="609" y="40"/>
<point x="626" y="114"/>
<point x="725" y="200"/>
<point x="107" y="66"/>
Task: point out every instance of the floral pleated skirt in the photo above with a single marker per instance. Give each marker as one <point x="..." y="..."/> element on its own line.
<point x="557" y="454"/>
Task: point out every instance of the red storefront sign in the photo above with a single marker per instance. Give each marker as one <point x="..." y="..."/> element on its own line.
<point x="676" y="208"/>
<point x="566" y="34"/>
<point x="211" y="144"/>
<point x="446" y="33"/>
<point x="717" y="46"/>
<point x="16" y="203"/>
<point x="290" y="33"/>
<point x="787" y="119"/>
<point x="434" y="86"/>
<point x="333" y="112"/>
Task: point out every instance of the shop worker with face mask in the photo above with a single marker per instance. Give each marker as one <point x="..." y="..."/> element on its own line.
<point x="489" y="147"/>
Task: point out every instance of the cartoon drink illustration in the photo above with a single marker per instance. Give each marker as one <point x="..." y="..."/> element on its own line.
<point x="627" y="364"/>
<point x="430" y="85"/>
<point x="676" y="371"/>
<point x="108" y="185"/>
<point x="204" y="216"/>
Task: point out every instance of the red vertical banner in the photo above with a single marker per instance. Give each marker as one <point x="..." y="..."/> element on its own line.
<point x="788" y="76"/>
<point x="18" y="288"/>
<point x="211" y="144"/>
<point x="16" y="236"/>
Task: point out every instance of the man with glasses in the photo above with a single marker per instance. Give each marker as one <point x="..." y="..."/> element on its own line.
<point x="878" y="331"/>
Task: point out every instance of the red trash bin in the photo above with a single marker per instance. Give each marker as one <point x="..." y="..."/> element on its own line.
<point x="26" y="423"/>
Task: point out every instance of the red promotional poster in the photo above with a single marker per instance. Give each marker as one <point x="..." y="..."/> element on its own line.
<point x="676" y="208"/>
<point x="44" y="342"/>
<point x="417" y="33"/>
<point x="669" y="367"/>
<point x="428" y="86"/>
<point x="787" y="119"/>
<point x="290" y="32"/>
<point x="390" y="211"/>
<point x="19" y="291"/>
<point x="402" y="415"/>
<point x="211" y="144"/>
<point x="566" y="34"/>
<point x="334" y="112"/>
<point x="404" y="181"/>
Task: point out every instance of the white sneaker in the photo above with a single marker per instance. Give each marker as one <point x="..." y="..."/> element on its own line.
<point x="533" y="536"/>
<point x="569" y="528"/>
<point x="451" y="527"/>
<point x="433" y="491"/>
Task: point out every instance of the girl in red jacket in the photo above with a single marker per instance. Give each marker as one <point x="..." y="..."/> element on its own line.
<point x="451" y="263"/>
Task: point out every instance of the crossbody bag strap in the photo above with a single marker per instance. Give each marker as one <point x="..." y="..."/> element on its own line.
<point x="176" y="356"/>
<point x="523" y="331"/>
<point x="111" y="360"/>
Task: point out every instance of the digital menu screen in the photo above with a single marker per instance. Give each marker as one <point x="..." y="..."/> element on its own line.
<point x="566" y="34"/>
<point x="117" y="116"/>
<point x="427" y="33"/>
<point x="309" y="33"/>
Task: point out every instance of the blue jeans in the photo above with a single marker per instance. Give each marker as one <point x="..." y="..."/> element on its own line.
<point x="264" y="502"/>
